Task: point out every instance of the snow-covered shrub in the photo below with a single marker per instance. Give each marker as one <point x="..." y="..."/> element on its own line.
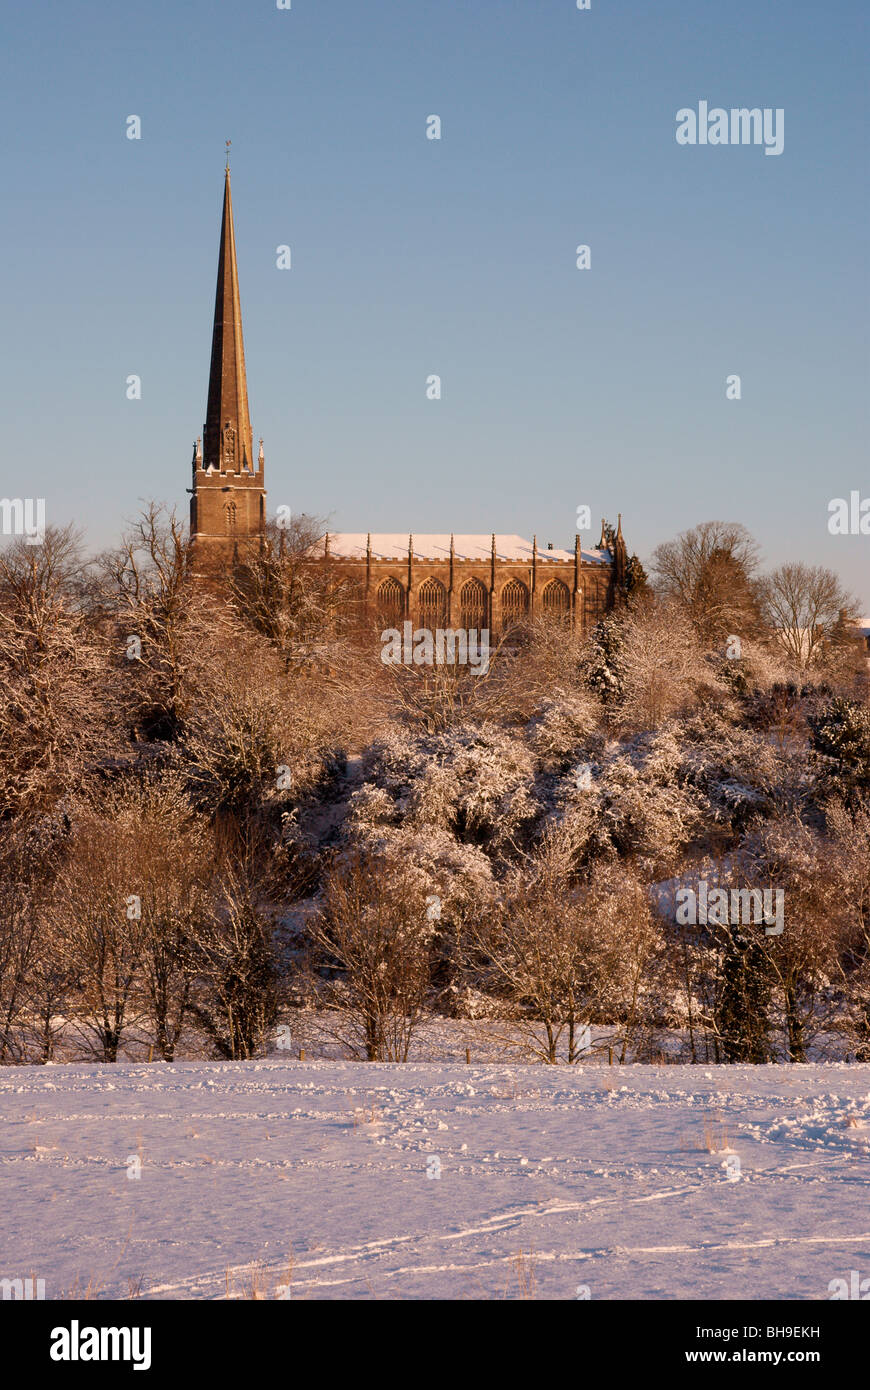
<point x="637" y="804"/>
<point x="841" y="741"/>
<point x="565" y="728"/>
<point x="759" y="666"/>
<point x="742" y="774"/>
<point x="475" y="781"/>
<point x="460" y="874"/>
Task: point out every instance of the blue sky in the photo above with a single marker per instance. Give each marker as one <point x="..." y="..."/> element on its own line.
<point x="560" y="387"/>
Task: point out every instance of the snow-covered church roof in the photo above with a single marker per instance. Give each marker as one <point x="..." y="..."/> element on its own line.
<point x="393" y="545"/>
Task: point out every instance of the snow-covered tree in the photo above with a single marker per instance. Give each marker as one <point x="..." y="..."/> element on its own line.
<point x="476" y="781"/>
<point x="638" y="804"/>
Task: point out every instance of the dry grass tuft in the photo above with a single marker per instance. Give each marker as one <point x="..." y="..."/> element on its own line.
<point x="258" y="1282"/>
<point x="367" y="1114"/>
<point x="88" y="1291"/>
<point x="716" y="1139"/>
<point x="526" y="1273"/>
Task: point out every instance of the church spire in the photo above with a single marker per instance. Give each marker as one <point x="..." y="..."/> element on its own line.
<point x="227" y="442"/>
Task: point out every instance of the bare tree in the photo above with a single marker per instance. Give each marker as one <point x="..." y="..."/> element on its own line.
<point x="95" y="914"/>
<point x="562" y="955"/>
<point x="254" y="732"/>
<point x="174" y="859"/>
<point x="372" y="945"/>
<point x="293" y="594"/>
<point x="51" y="986"/>
<point x="709" y="571"/>
<point x="849" y="830"/>
<point x="433" y="699"/>
<point x="234" y="963"/>
<point x="662" y="663"/>
<point x="56" y="714"/>
<point x="785" y="855"/>
<point x="147" y="584"/>
<point x="806" y="605"/>
<point x="19" y="944"/>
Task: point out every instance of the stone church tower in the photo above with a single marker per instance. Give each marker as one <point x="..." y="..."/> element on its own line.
<point x="471" y="581"/>
<point x="228" y="499"/>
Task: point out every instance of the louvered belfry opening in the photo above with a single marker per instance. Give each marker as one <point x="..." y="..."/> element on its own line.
<point x="390" y="603"/>
<point x="557" y="601"/>
<point x="473" y="605"/>
<point x="514" y="604"/>
<point x="432" y="604"/>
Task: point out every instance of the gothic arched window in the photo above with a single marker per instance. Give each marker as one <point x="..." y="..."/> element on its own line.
<point x="473" y="605"/>
<point x="557" y="600"/>
<point x="390" y="602"/>
<point x="514" y="603"/>
<point x="230" y="515"/>
<point x="432" y="604"/>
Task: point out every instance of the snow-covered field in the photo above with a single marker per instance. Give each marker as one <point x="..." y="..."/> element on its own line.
<point x="335" y="1179"/>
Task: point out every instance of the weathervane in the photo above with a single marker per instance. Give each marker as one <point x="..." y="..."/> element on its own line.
<point x="228" y="143"/>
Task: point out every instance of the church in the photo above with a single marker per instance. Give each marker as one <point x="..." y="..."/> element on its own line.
<point x="486" y="581"/>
